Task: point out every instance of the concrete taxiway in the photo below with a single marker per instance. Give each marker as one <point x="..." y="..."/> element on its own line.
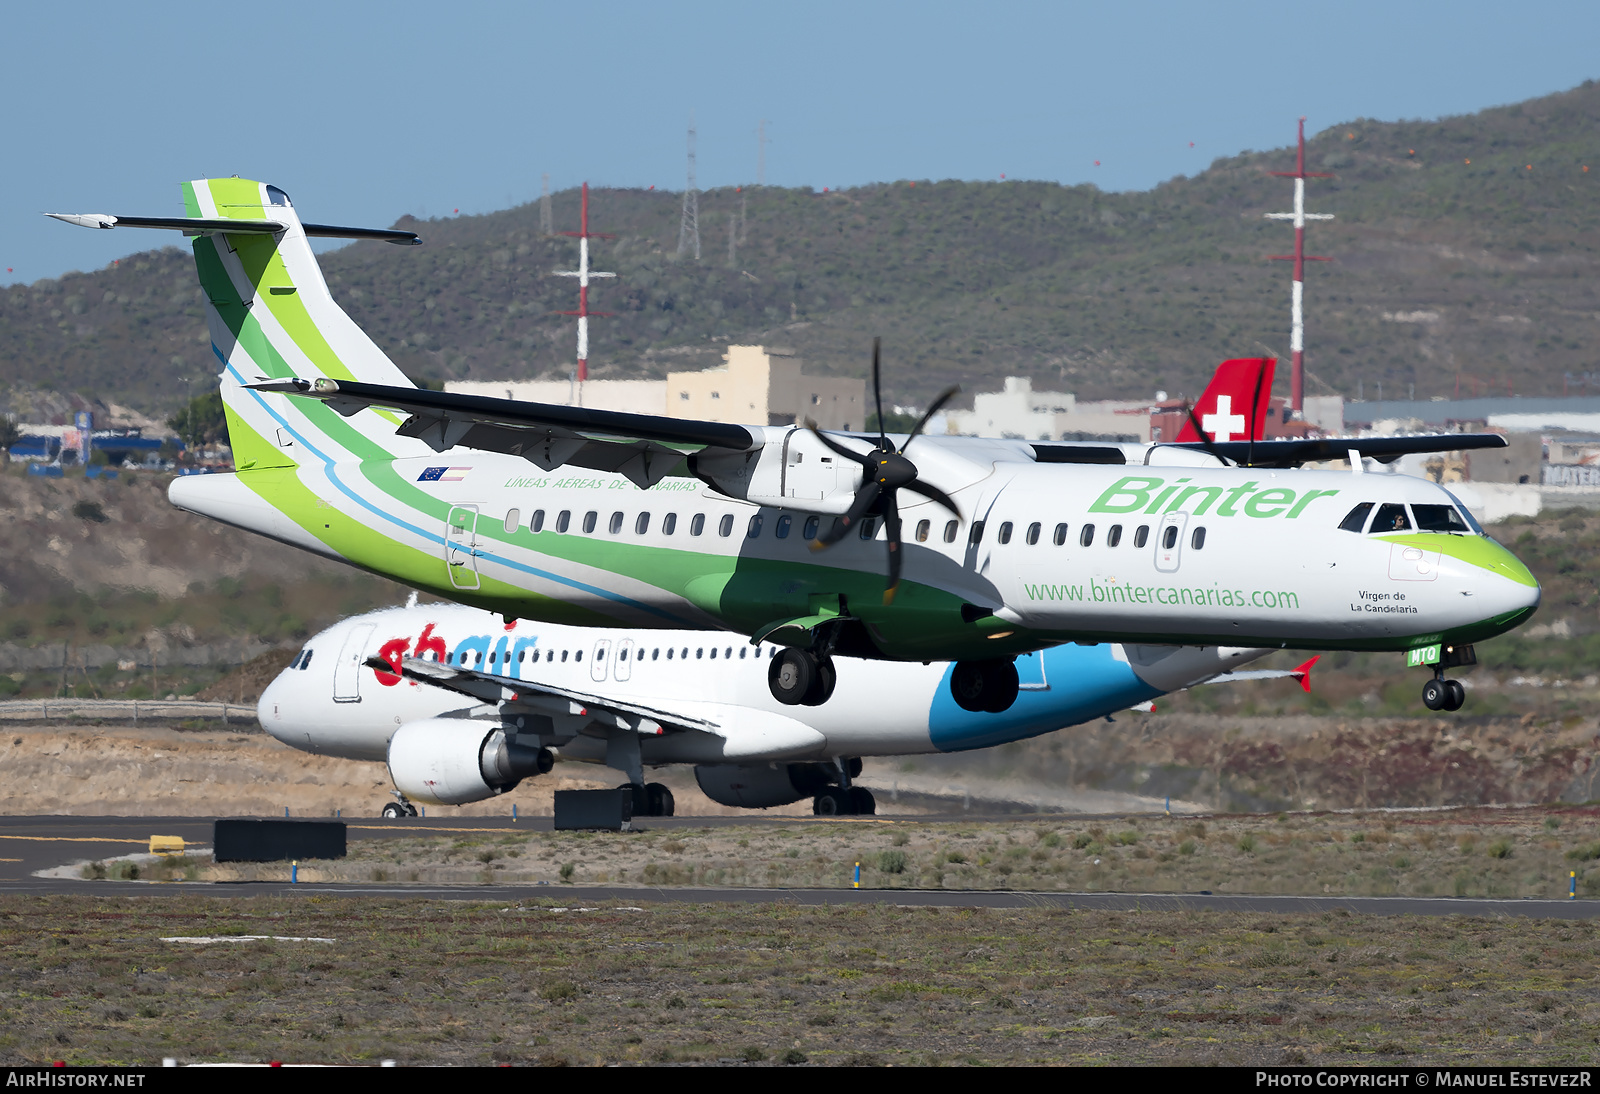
<point x="29" y="844"/>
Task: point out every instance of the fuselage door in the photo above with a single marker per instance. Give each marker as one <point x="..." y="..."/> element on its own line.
<point x="623" y="669"/>
<point x="1169" y="541"/>
<point x="461" y="546"/>
<point x="597" y="661"/>
<point x="347" y="669"/>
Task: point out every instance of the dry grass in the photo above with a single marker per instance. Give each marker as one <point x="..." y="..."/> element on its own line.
<point x="1512" y="853"/>
<point x="90" y="981"/>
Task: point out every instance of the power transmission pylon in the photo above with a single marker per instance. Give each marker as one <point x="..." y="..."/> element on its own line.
<point x="689" y="226"/>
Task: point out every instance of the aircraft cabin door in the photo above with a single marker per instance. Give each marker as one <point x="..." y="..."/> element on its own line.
<point x="461" y="546"/>
<point x="597" y="660"/>
<point x="623" y="669"/>
<point x="1169" y="541"/>
<point x="347" y="669"/>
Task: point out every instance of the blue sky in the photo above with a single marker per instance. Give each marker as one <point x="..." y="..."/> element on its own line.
<point x="367" y="112"/>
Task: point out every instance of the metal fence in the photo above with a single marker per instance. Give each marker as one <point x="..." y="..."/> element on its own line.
<point x="122" y="709"/>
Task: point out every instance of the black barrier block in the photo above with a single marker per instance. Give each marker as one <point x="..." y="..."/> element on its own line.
<point x="612" y="809"/>
<point x="262" y="839"/>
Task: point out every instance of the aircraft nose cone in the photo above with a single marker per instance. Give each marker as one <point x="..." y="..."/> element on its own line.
<point x="269" y="708"/>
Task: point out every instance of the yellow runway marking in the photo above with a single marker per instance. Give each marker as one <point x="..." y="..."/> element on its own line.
<point x="421" y="828"/>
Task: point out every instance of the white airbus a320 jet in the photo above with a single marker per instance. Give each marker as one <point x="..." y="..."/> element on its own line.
<point x="462" y="706"/>
<point x="993" y="548"/>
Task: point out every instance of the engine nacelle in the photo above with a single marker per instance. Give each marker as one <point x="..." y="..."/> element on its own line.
<point x="792" y="470"/>
<point x="452" y="761"/>
<point x="761" y="786"/>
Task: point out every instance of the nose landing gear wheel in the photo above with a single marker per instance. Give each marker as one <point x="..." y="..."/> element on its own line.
<point x="791" y="675"/>
<point x="1435" y="694"/>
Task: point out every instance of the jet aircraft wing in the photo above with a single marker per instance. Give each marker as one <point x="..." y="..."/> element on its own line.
<point x="643" y="447"/>
<point x="488" y="688"/>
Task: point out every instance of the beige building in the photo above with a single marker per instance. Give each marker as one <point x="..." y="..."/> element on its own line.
<point x="762" y="386"/>
<point x="756" y="386"/>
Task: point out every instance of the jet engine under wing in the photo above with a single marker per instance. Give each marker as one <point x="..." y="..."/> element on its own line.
<point x="644" y="447"/>
<point x="489" y="688"/>
<point x="1294" y="451"/>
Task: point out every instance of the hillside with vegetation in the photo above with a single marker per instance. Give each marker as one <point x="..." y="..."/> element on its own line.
<point x="1464" y="249"/>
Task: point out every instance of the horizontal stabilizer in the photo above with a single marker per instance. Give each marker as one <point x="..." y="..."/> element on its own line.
<point x="234" y="226"/>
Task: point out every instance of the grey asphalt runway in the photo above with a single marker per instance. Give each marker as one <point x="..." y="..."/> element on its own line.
<point x="28" y="844"/>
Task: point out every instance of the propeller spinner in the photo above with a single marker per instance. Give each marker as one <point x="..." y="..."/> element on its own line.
<point x="887" y="471"/>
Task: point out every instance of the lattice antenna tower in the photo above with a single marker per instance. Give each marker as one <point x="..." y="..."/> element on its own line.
<point x="546" y="222"/>
<point x="689" y="226"/>
<point x="1297" y="327"/>
<point x="583" y="273"/>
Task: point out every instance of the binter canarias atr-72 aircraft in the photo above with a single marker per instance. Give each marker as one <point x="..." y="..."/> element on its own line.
<point x="993" y="548"/>
<point x="462" y="706"/>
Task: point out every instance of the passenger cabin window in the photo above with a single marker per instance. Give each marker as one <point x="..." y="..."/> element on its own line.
<point x="1169" y="538"/>
<point x="868" y="528"/>
<point x="616" y="523"/>
<point x="1033" y="533"/>
<point x="809" y="532"/>
<point x="1060" y="538"/>
<point x="781" y="529"/>
<point x="1197" y="539"/>
<point x="590" y="519"/>
<point x="697" y="524"/>
<point x="1439" y="518"/>
<point x="976" y="534"/>
<point x="923" y="528"/>
<point x="1356" y="519"/>
<point x="1086" y="535"/>
<point x="950" y="530"/>
<point x="1005" y="532"/>
<point x="563" y="520"/>
<point x="1141" y="535"/>
<point x="513" y="519"/>
<point x="725" y="525"/>
<point x="754" y="530"/>
<point x="669" y="524"/>
<point x="1113" y="535"/>
<point x="641" y="524"/>
<point x="1391" y="518"/>
<point x="536" y="522"/>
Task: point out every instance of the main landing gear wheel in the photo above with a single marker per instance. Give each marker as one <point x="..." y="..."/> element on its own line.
<point x="800" y="677"/>
<point x="395" y="810"/>
<point x="984" y="686"/>
<point x="862" y="803"/>
<point x="839" y="801"/>
<point x="650" y="799"/>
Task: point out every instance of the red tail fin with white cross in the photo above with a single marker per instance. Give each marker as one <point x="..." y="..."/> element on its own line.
<point x="1235" y="404"/>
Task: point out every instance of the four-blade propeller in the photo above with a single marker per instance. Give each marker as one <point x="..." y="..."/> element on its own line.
<point x="886" y="471"/>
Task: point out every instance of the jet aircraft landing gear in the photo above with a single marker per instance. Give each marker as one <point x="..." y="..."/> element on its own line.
<point x="984" y="686"/>
<point x="650" y="799"/>
<point x="845" y="800"/>
<point x="801" y="678"/>
<point x="399" y="807"/>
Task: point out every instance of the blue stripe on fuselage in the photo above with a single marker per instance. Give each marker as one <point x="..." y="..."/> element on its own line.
<point x="1080" y="684"/>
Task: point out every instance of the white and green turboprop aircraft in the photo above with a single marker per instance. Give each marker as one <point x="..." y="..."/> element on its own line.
<point x="587" y="517"/>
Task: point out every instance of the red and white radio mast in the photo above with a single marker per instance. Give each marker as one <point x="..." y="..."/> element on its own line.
<point x="1297" y="329"/>
<point x="583" y="274"/>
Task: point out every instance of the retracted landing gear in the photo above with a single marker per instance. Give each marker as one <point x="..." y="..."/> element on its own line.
<point x="984" y="686"/>
<point x="801" y="678"/>
<point x="845" y="800"/>
<point x="650" y="799"/>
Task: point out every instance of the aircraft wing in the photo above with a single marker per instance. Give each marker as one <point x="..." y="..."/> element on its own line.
<point x="1301" y="672"/>
<point x="1294" y="451"/>
<point x="644" y="447"/>
<point x="488" y="688"/>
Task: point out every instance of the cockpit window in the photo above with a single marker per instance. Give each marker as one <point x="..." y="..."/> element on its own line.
<point x="276" y="196"/>
<point x="304" y="661"/>
<point x="1391" y="518"/>
<point x="1356" y="519"/>
<point x="1466" y="515"/>
<point x="1439" y="518"/>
